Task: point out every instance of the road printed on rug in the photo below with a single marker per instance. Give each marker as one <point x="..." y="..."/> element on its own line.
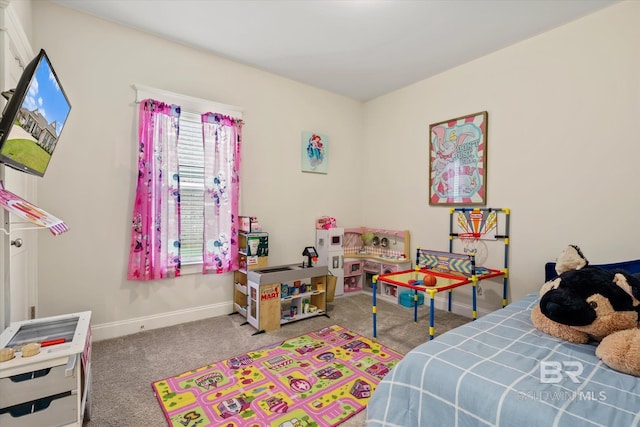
<point x="318" y="379"/>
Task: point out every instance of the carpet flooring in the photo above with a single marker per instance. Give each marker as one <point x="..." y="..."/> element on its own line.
<point x="124" y="368"/>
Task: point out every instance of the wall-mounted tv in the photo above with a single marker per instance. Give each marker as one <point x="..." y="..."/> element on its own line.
<point x="33" y="119"/>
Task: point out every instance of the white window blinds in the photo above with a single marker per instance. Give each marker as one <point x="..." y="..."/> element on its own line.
<point x="191" y="169"/>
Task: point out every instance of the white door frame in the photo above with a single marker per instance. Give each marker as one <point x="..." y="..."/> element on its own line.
<point x="15" y="46"/>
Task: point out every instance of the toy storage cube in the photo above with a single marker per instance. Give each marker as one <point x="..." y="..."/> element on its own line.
<point x="254" y="244"/>
<point x="406" y="298"/>
<point x="252" y="262"/>
<point x="249" y="223"/>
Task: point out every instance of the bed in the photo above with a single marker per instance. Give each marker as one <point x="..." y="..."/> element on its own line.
<point x="490" y="372"/>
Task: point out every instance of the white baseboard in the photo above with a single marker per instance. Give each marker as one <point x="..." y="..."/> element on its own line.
<point x="131" y="326"/>
<point x="459" y="308"/>
<point x="441" y="303"/>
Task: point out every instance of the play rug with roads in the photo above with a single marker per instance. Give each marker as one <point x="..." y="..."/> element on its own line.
<point x="321" y="378"/>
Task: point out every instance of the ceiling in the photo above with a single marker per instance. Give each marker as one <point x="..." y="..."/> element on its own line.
<point x="358" y="48"/>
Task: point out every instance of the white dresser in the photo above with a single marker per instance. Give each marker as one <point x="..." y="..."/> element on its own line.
<point x="52" y="388"/>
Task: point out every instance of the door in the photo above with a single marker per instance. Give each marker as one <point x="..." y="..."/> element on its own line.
<point x="19" y="273"/>
<point x="336" y="268"/>
<point x="335" y="239"/>
<point x="19" y="249"/>
<point x="327" y="241"/>
<point x="252" y="306"/>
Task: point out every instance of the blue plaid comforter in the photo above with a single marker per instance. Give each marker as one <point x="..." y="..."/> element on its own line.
<point x="501" y="371"/>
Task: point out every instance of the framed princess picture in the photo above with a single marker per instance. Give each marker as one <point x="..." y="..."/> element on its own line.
<point x="314" y="152"/>
<point x="458" y="161"/>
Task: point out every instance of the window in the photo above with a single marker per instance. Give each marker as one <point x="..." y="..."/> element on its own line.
<point x="191" y="169"/>
<point x="202" y="238"/>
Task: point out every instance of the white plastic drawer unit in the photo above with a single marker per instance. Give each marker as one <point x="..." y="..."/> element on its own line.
<point x="56" y="410"/>
<point x="50" y="388"/>
<point x="33" y="385"/>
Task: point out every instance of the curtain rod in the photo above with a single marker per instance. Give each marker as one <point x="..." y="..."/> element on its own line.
<point x="189" y="103"/>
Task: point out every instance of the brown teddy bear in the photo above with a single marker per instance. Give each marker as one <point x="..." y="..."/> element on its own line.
<point x="586" y="303"/>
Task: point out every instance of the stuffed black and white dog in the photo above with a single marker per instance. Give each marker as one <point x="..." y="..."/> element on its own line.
<point x="586" y="303"/>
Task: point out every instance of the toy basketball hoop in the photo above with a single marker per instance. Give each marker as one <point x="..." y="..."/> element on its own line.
<point x="469" y="240"/>
<point x="473" y="245"/>
<point x="476" y="230"/>
<point x="475" y="226"/>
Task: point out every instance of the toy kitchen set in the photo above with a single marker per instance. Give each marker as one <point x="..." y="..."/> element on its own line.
<point x="357" y="254"/>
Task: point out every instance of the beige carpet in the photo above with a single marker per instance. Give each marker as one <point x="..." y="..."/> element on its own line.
<point x="124" y="368"/>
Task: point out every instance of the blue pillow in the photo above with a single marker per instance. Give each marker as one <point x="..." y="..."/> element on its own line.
<point x="631" y="267"/>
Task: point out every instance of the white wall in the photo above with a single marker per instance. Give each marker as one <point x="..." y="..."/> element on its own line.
<point x="562" y="146"/>
<point x="91" y="180"/>
<point x="22" y="10"/>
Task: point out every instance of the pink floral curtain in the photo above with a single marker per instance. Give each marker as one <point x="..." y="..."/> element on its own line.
<point x="155" y="234"/>
<point x="222" y="138"/>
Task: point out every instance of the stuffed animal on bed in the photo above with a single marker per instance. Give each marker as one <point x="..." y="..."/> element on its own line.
<point x="585" y="303"/>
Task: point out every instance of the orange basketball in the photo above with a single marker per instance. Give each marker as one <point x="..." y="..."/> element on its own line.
<point x="429" y="280"/>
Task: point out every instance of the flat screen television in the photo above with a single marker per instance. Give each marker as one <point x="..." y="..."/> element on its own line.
<point x="33" y="119"/>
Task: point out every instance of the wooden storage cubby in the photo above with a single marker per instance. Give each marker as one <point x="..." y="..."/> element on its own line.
<point x="316" y="296"/>
<point x="248" y="259"/>
<point x="266" y="303"/>
<point x="240" y="292"/>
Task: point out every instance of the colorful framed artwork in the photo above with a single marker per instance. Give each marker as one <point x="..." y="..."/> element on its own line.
<point x="458" y="161"/>
<point x="315" y="150"/>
